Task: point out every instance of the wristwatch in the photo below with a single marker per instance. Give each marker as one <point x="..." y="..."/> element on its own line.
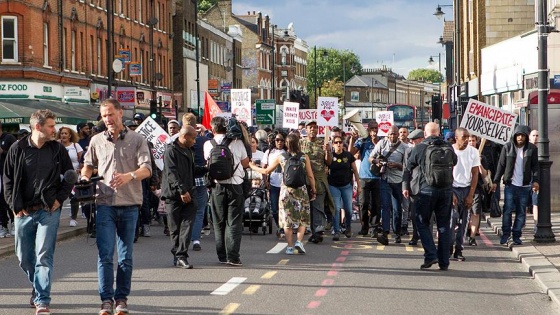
<point x="133" y="175"/>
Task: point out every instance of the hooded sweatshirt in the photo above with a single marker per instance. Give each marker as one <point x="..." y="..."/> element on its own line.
<point x="506" y="163"/>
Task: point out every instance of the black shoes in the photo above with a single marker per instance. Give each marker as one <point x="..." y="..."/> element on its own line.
<point x="383" y="239"/>
<point x="428" y="264"/>
<point x="183" y="263"/>
<point x="413" y="242"/>
<point x="235" y="263"/>
<point x="336" y="237"/>
<point x="316" y="238"/>
<point x="472" y="241"/>
<point x="397" y="239"/>
<point x="348" y="234"/>
<point x="196" y="247"/>
<point x="459" y="256"/>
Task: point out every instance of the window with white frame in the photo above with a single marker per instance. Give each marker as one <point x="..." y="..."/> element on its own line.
<point x="64" y="57"/>
<point x="354" y="96"/>
<point x="9" y="39"/>
<point x="45" y="44"/>
<point x="73" y="50"/>
<point x="99" y="51"/>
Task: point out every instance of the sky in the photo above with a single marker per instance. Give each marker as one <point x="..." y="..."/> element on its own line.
<point x="401" y="34"/>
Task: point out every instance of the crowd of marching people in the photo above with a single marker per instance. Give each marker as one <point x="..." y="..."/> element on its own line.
<point x="214" y="176"/>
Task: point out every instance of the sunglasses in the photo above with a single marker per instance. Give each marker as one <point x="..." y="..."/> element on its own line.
<point x="279" y="140"/>
<point x="337" y="142"/>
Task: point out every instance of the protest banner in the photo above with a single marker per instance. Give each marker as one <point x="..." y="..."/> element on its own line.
<point x="241" y="105"/>
<point x="290" y="116"/>
<point x="150" y="129"/>
<point x="488" y="122"/>
<point x="385" y="121"/>
<point x="311" y="114"/>
<point x="327" y="110"/>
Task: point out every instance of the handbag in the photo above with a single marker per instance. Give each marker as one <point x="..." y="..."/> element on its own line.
<point x="495" y="210"/>
<point x="379" y="169"/>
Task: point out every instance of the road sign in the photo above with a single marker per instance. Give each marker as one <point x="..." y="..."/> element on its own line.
<point x="265" y="112"/>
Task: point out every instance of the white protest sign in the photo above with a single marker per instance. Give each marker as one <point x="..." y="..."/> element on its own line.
<point x="327" y="111"/>
<point x="290" y="116"/>
<point x="385" y="121"/>
<point x="311" y="114"/>
<point x="488" y="122"/>
<point x="241" y="105"/>
<point x="150" y="129"/>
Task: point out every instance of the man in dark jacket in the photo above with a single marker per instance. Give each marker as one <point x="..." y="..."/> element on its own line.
<point x="430" y="200"/>
<point x="178" y="191"/>
<point x="35" y="192"/>
<point x="519" y="166"/>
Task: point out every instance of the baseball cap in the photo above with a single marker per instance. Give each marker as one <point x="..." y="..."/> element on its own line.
<point x="173" y="121"/>
<point x="416" y="134"/>
<point x="309" y="122"/>
<point x="139" y="116"/>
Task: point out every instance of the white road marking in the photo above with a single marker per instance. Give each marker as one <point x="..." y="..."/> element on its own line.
<point x="229" y="286"/>
<point x="278" y="248"/>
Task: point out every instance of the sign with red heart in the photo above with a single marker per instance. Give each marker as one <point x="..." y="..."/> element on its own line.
<point x="385" y="121"/>
<point x="328" y="111"/>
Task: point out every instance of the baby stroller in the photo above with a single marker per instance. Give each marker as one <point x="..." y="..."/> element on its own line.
<point x="257" y="210"/>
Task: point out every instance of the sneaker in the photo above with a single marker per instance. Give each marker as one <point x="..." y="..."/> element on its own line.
<point x="166" y="231"/>
<point x="106" y="308"/>
<point x="121" y="308"/>
<point x="459" y="256"/>
<point x="348" y="234"/>
<point x="397" y="239"/>
<point x="289" y="250"/>
<point x="73" y="223"/>
<point x="42" y="309"/>
<point x="235" y="263"/>
<point x="383" y="239"/>
<point x="504" y="240"/>
<point x="3" y="232"/>
<point x="196" y="247"/>
<point x="472" y="241"/>
<point x="517" y="241"/>
<point x="12" y="229"/>
<point x="336" y="237"/>
<point x="299" y="247"/>
<point x="146" y="230"/>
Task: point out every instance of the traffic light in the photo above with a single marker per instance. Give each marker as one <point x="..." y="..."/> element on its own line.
<point x="436" y="108"/>
<point x="153" y="109"/>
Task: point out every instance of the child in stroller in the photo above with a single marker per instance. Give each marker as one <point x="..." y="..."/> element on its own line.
<point x="257" y="213"/>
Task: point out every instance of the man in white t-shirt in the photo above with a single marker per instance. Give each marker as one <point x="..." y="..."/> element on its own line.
<point x="227" y="197"/>
<point x="465" y="178"/>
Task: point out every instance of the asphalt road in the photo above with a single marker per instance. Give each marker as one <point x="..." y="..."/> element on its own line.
<point x="352" y="276"/>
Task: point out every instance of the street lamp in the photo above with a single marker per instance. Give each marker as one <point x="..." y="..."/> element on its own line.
<point x="439" y="13"/>
<point x="544" y="232"/>
<point x="324" y="54"/>
<point x="431" y="61"/>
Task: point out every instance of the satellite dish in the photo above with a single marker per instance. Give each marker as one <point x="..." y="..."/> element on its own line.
<point x="117" y="65"/>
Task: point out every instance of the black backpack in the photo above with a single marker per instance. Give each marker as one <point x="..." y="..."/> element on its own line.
<point x="294" y="171"/>
<point x="221" y="165"/>
<point x="438" y="164"/>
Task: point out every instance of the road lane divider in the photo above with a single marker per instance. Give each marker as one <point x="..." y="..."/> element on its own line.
<point x="283" y="262"/>
<point x="227" y="287"/>
<point x="277" y="248"/>
<point x="251" y="289"/>
<point x="229" y="309"/>
<point x="269" y="275"/>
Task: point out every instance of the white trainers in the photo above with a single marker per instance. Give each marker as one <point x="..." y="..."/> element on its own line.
<point x="3" y="232"/>
<point x="12" y="229"/>
<point x="73" y="223"/>
<point x="299" y="247"/>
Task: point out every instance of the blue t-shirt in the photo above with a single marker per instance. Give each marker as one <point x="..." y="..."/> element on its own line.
<point x="365" y="146"/>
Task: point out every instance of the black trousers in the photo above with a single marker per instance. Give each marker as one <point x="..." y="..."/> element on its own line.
<point x="180" y="220"/>
<point x="370" y="203"/>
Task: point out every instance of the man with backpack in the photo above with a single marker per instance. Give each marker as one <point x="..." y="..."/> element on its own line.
<point x="227" y="159"/>
<point x="435" y="158"/>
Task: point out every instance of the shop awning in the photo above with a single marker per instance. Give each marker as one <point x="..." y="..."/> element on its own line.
<point x="18" y="111"/>
<point x="552" y="98"/>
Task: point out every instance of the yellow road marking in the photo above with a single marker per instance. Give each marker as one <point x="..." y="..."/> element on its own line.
<point x="409" y="248"/>
<point x="269" y="275"/>
<point x="420" y="249"/>
<point x="380" y="247"/>
<point x="251" y="289"/>
<point x="283" y="262"/>
<point x="229" y="309"/>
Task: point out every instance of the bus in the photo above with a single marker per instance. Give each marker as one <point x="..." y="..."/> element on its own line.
<point x="404" y="115"/>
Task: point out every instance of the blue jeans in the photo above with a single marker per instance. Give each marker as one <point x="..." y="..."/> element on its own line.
<point x="343" y="193"/>
<point x="202" y="201"/>
<point x="274" y="200"/>
<point x="437" y="201"/>
<point x="391" y="202"/>
<point x="35" y="242"/>
<point x="515" y="199"/>
<point x="115" y="225"/>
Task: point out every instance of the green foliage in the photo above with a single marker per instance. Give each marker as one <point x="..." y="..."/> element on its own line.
<point x="330" y="72"/>
<point x="428" y="75"/>
<point x="204" y="5"/>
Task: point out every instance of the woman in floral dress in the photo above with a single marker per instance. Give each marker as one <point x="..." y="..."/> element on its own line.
<point x="294" y="207"/>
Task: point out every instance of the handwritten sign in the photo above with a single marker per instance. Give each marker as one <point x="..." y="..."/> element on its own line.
<point x="150" y="129"/>
<point x="311" y="114"/>
<point x="385" y="121"/>
<point x="488" y="122"/>
<point x="241" y="105"/>
<point x="290" y="117"/>
<point x="328" y="111"/>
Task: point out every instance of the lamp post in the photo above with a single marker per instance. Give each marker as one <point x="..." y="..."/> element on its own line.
<point x="544" y="232"/>
<point x="431" y="61"/>
<point x="197" y="48"/>
<point x="273" y="64"/>
<point x="324" y="54"/>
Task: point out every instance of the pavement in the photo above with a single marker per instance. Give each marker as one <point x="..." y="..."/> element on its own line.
<point x="541" y="260"/>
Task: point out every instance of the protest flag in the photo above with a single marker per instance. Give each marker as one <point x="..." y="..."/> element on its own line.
<point x="211" y="109"/>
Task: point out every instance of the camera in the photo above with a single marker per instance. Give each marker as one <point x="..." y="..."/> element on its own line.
<point x="85" y="190"/>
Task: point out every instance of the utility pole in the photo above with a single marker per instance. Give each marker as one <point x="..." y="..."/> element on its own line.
<point x="110" y="55"/>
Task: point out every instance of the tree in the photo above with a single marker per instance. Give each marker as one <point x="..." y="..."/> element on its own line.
<point x="428" y="75"/>
<point x="332" y="65"/>
<point x="204" y="5"/>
